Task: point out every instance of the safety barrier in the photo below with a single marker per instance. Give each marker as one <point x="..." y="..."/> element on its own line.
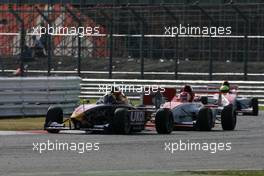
<point x="31" y="96"/>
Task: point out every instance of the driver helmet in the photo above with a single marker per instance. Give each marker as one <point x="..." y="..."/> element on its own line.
<point x="116" y="92"/>
<point x="187" y="88"/>
<point x="224" y="89"/>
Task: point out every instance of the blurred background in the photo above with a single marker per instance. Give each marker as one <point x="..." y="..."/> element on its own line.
<point x="134" y="45"/>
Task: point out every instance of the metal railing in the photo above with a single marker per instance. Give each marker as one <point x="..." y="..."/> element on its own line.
<point x="92" y="88"/>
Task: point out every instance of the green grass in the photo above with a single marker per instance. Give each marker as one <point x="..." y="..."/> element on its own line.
<point x="19" y="123"/>
<point x="261" y="108"/>
<point x="172" y="173"/>
<point x="229" y="173"/>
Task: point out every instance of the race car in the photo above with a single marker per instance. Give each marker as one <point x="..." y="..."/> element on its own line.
<point x="244" y="106"/>
<point x="196" y="114"/>
<point x="109" y="117"/>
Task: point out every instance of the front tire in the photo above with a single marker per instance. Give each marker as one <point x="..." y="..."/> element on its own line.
<point x="164" y="121"/>
<point x="205" y="119"/>
<point x="54" y="114"/>
<point x="255" y="106"/>
<point x="121" y="121"/>
<point x="228" y="118"/>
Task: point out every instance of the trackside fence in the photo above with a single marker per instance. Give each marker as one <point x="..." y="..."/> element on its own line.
<point x="93" y="88"/>
<point x="31" y="96"/>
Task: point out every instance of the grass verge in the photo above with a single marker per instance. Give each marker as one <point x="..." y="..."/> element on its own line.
<point x="19" y="123"/>
<point x="172" y="173"/>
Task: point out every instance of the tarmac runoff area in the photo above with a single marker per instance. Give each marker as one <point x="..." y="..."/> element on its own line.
<point x="241" y="149"/>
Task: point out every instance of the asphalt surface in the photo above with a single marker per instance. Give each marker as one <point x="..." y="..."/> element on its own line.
<point x="243" y="149"/>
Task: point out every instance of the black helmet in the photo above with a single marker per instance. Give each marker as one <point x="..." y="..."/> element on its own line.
<point x="187" y="88"/>
<point x="225" y="83"/>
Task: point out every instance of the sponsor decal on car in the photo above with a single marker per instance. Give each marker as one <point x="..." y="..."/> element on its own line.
<point x="137" y="117"/>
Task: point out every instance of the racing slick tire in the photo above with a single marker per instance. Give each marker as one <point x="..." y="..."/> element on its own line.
<point x="228" y="118"/>
<point x="204" y="119"/>
<point x="255" y="106"/>
<point x="164" y="121"/>
<point x="54" y="114"/>
<point x="121" y="121"/>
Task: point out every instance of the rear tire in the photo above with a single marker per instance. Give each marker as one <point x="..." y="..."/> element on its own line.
<point x="255" y="106"/>
<point x="164" y="121"/>
<point x="228" y="118"/>
<point x="54" y="114"/>
<point x="205" y="119"/>
<point x="121" y="121"/>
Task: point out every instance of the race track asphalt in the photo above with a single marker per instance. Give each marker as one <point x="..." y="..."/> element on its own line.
<point x="143" y="151"/>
